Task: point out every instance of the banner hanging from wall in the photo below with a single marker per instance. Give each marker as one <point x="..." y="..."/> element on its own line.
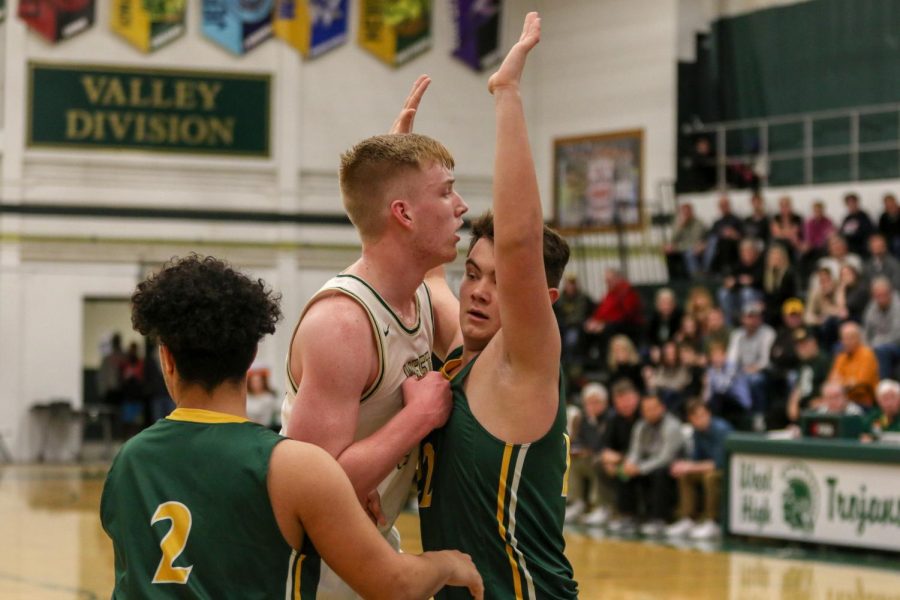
<point x="312" y="27"/>
<point x="148" y="24"/>
<point x="238" y="25"/>
<point x="395" y="31"/>
<point x="477" y="32"/>
<point x="56" y="21"/>
<point x="112" y="108"/>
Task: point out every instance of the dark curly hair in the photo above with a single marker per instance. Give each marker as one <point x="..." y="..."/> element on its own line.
<point x="556" y="248"/>
<point x="210" y="317"/>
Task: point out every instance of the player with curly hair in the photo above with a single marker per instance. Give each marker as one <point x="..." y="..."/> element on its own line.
<point x="207" y="504"/>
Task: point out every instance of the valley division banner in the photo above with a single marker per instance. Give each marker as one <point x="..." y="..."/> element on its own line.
<point x="312" y="27"/>
<point x="57" y="20"/>
<point x="238" y="25"/>
<point x="148" y="24"/>
<point x="477" y="32"/>
<point x="395" y="31"/>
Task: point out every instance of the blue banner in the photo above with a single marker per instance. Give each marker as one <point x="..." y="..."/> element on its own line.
<point x="238" y="25"/>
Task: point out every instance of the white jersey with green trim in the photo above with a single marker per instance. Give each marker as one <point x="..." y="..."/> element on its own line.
<point x="402" y="352"/>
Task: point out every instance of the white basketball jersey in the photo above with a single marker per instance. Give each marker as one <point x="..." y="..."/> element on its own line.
<point x="402" y="352"/>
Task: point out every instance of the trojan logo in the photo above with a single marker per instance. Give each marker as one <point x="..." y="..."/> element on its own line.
<point x="418" y="366"/>
<point x="800" y="499"/>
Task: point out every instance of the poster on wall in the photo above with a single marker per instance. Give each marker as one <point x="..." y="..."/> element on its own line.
<point x="56" y="21"/>
<point x="395" y="31"/>
<point x="597" y="181"/>
<point x="238" y="25"/>
<point x="477" y="32"/>
<point x="148" y="24"/>
<point x="312" y="27"/>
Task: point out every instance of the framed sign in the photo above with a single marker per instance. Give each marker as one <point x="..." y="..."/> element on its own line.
<point x="597" y="181"/>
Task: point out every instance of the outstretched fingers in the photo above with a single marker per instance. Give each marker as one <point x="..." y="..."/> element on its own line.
<point x="405" y="120"/>
<point x="510" y="72"/>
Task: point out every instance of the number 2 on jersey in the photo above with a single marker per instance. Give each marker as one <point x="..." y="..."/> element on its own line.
<point x="173" y="543"/>
<point x="427" y="465"/>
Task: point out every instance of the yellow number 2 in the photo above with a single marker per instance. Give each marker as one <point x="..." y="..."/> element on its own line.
<point x="173" y="543"/>
<point x="427" y="465"/>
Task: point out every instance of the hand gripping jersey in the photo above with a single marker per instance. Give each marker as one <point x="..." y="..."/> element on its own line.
<point x="188" y="510"/>
<point x="501" y="503"/>
<point x="402" y="352"/>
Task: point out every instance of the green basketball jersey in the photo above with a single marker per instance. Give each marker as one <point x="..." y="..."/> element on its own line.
<point x="188" y="510"/>
<point x="501" y="503"/>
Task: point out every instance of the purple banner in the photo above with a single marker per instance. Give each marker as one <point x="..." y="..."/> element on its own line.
<point x="477" y="32"/>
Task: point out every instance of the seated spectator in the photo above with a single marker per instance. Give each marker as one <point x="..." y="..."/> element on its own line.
<point x="684" y="254"/>
<point x="881" y="262"/>
<point x="787" y="227"/>
<point x="779" y="282"/>
<point x="716" y="330"/>
<point x="783" y="357"/>
<point x="852" y="294"/>
<point x="695" y="363"/>
<point x="889" y="224"/>
<point x="836" y="402"/>
<point x="619" y="312"/>
<point x="572" y="309"/>
<point x="822" y="310"/>
<point x="588" y="429"/>
<point x="645" y="481"/>
<point x="887" y="417"/>
<point x="665" y="320"/>
<point x="749" y="350"/>
<point x="669" y="378"/>
<point x="688" y="333"/>
<point x="722" y="241"/>
<point x="816" y="231"/>
<point x="726" y="394"/>
<point x="624" y="362"/>
<point x="857" y="226"/>
<point x="702" y="471"/>
<point x="263" y="406"/>
<point x="856" y="367"/>
<point x="616" y="440"/>
<point x="699" y="303"/>
<point x="811" y="375"/>
<point x="838" y="256"/>
<point x="758" y="225"/>
<point x="882" y="326"/>
<point x="743" y="282"/>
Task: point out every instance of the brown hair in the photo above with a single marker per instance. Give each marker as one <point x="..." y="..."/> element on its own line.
<point x="556" y="248"/>
<point x="622" y="387"/>
<point x="694" y="405"/>
<point x="371" y="166"/>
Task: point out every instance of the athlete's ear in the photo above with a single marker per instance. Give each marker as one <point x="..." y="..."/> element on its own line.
<point x="400" y="212"/>
<point x="166" y="360"/>
<point x="554" y="295"/>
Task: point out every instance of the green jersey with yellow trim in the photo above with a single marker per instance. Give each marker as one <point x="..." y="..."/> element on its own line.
<point x="187" y="507"/>
<point x="501" y="503"/>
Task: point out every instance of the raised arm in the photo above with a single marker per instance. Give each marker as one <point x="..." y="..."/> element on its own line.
<point x="530" y="334"/>
<point x="311" y="496"/>
<point x="334" y="375"/>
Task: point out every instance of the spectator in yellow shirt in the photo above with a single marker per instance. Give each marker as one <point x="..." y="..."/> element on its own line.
<point x="856" y="367"/>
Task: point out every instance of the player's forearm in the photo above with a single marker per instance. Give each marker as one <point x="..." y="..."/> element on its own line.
<point x="420" y="576"/>
<point x="368" y="461"/>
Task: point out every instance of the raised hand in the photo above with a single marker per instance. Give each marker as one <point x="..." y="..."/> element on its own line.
<point x="404" y="121"/>
<point x="510" y="72"/>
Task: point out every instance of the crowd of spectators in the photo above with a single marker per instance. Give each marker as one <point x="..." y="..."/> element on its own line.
<point x="778" y="316"/>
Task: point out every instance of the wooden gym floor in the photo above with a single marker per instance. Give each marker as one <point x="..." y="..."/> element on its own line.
<point x="54" y="548"/>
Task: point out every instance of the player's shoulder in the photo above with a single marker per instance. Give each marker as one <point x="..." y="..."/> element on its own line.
<point x="334" y="313"/>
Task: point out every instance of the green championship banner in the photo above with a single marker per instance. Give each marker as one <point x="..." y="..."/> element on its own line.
<point x="395" y="30"/>
<point x="148" y="24"/>
<point x="163" y="110"/>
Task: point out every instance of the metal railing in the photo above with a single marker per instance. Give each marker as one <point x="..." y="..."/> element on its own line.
<point x="806" y="150"/>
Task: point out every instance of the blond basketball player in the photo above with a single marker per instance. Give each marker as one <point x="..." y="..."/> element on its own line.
<point x="372" y="327"/>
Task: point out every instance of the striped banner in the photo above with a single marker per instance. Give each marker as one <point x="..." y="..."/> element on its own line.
<point x="312" y="27"/>
<point x="148" y="24"/>
<point x="395" y="31"/>
<point x="238" y="25"/>
<point x="477" y="32"/>
<point x="57" y="20"/>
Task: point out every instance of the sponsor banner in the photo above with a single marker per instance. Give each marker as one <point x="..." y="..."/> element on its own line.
<point x="238" y="25"/>
<point x="57" y="20"/>
<point x="312" y="27"/>
<point x="845" y="503"/>
<point x="395" y="31"/>
<point x="477" y="32"/>
<point x="148" y="24"/>
<point x="105" y="108"/>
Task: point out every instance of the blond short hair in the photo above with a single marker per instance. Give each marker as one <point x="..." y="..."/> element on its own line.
<point x="369" y="169"/>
